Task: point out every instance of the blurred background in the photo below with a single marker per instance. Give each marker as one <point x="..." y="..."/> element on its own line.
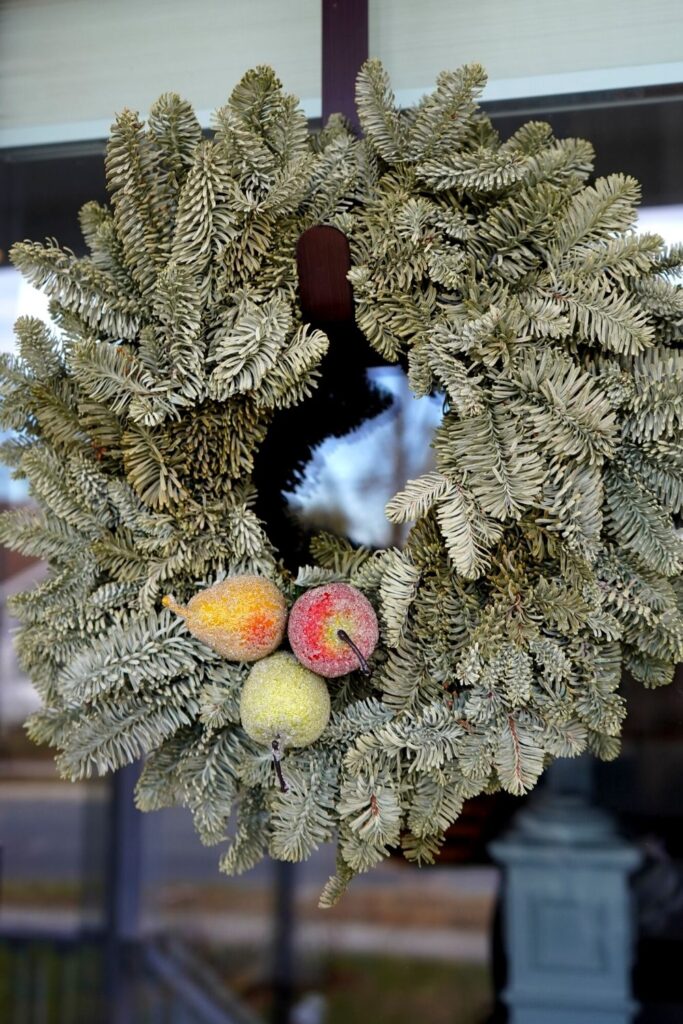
<point x="110" y="916"/>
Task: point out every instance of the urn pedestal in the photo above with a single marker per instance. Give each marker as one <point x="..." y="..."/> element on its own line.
<point x="567" y="911"/>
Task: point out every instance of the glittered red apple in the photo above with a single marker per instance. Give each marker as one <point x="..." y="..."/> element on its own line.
<point x="333" y="630"/>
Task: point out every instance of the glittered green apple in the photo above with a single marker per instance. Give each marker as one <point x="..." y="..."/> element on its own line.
<point x="283" y="705"/>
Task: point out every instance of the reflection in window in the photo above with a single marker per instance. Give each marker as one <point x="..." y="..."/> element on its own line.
<point x="349" y="480"/>
<point x="17" y="298"/>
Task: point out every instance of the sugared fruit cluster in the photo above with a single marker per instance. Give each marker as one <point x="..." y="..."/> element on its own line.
<point x="284" y="703"/>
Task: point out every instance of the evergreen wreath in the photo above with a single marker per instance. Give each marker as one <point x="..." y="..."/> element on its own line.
<point x="543" y="558"/>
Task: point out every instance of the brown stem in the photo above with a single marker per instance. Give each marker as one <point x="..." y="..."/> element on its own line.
<point x="277" y="757"/>
<point x="344" y="636"/>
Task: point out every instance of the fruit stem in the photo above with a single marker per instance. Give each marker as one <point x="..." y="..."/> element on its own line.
<point x="277" y="757"/>
<point x="344" y="636"/>
<point x="169" y="601"/>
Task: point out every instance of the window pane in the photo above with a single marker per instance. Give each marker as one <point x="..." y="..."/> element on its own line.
<point x="532" y="48"/>
<point x="67" y="66"/>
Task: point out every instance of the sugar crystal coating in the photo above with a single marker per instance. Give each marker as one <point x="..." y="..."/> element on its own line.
<point x="314" y="624"/>
<point x="281" y="700"/>
<point x="243" y="618"/>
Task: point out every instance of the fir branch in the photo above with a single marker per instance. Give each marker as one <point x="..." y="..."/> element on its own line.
<point x="417" y="499"/>
<point x="302" y="818"/>
<point x="79" y="287"/>
<point x="504" y="471"/>
<point x="379" y="118"/>
<point x="641" y="524"/>
<point x="481" y="171"/>
<point x="468" y="533"/>
<point x="442" y="117"/>
<point x="397" y="590"/>
<point x="518" y="757"/>
<point x="570" y="414"/>
<point x="609" y="205"/>
<point x="246" y="345"/>
<point x="143" y="654"/>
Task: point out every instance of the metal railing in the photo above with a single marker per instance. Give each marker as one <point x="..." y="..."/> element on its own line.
<point x="187" y="992"/>
<point x="65" y="981"/>
<point x="50" y="981"/>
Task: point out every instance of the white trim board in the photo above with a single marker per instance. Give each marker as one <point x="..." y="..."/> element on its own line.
<point x="85" y="131"/>
<point x="595" y="80"/>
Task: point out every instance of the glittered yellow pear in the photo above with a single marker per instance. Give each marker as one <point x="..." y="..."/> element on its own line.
<point x="243" y="617"/>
